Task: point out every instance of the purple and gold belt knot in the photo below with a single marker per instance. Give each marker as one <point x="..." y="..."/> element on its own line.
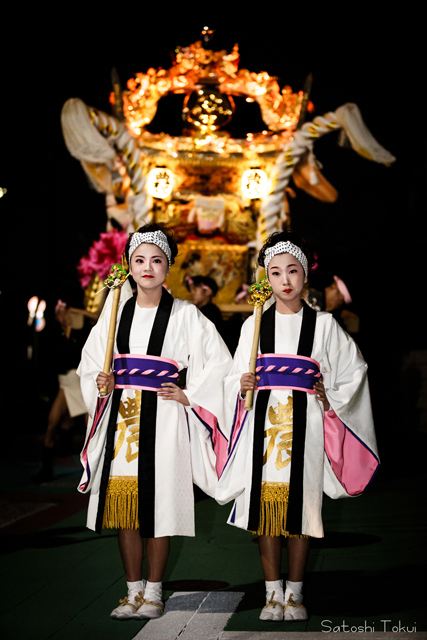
<point x="278" y="371"/>
<point x="148" y="373"/>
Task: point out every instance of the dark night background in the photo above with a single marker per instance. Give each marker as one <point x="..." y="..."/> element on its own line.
<point x="373" y="235"/>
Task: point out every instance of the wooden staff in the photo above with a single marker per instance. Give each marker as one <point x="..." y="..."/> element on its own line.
<point x="260" y="292"/>
<point x="115" y="281"/>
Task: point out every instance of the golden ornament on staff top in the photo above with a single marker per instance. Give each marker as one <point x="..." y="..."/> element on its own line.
<point x="118" y="275"/>
<point x="259" y="294"/>
<point x="115" y="280"/>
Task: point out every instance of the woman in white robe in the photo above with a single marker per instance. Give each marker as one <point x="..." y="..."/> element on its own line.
<point x="148" y="439"/>
<point x="311" y="428"/>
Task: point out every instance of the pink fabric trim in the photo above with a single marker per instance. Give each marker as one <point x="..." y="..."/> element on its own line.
<point x="286" y="355"/>
<point x="342" y="288"/>
<point x="220" y="448"/>
<point x="100" y="406"/>
<point x="310" y="391"/>
<point x="352" y="462"/>
<point x="145" y="357"/>
<point x="238" y="422"/>
<point x="135" y="386"/>
<point x="219" y="441"/>
<point x="206" y="416"/>
<point x="143" y="373"/>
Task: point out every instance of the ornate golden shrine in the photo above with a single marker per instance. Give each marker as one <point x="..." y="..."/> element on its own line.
<point x="222" y="196"/>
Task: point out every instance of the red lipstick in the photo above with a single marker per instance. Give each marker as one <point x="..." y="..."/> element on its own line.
<point x="287" y="290"/>
<point x="147" y="276"/>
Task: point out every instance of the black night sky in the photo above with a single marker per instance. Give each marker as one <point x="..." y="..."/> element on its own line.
<point x="373" y="235"/>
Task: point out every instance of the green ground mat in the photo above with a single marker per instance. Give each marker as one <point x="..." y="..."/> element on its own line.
<point x="60" y="581"/>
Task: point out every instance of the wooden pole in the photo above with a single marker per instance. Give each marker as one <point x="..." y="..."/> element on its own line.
<point x="111" y="336"/>
<point x="252" y="363"/>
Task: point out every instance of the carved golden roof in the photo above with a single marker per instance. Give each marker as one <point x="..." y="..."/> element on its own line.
<point x="212" y="74"/>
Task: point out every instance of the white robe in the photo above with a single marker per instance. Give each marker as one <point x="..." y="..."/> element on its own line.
<point x="183" y="447"/>
<point x="345" y="378"/>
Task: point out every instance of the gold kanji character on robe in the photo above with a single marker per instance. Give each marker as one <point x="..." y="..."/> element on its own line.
<point x="129" y="411"/>
<point x="281" y="417"/>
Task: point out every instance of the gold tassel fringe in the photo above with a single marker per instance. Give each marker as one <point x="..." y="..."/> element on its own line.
<point x="121" y="503"/>
<point x="273" y="510"/>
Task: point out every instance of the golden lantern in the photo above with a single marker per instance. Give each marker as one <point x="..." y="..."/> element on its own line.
<point x="160" y="182"/>
<point x="254" y="183"/>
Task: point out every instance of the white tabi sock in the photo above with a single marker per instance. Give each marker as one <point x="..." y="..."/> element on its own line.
<point x="153" y="591"/>
<point x="296" y="589"/>
<point x="277" y="587"/>
<point x="135" y="587"/>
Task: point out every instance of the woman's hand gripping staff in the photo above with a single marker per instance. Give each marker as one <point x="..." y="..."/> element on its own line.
<point x="260" y="292"/>
<point x="117" y="277"/>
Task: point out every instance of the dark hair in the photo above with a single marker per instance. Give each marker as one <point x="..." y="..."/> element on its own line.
<point x="155" y="227"/>
<point x="209" y="282"/>
<point x="285" y="236"/>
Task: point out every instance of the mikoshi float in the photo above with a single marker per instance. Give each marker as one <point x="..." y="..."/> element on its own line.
<point x="222" y="196"/>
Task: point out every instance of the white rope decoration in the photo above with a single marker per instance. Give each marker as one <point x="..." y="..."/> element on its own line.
<point x="94" y="136"/>
<point x="347" y="118"/>
<point x="139" y="202"/>
<point x="151" y="237"/>
<point x="286" y="247"/>
<point x="272" y="206"/>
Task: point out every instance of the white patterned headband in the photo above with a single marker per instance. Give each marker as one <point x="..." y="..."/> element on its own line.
<point x="151" y="237"/>
<point x="286" y="247"/>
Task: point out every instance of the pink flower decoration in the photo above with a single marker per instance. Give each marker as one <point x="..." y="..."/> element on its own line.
<point x="102" y="254"/>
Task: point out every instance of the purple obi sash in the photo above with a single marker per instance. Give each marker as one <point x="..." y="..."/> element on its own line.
<point x="281" y="371"/>
<point x="148" y="373"/>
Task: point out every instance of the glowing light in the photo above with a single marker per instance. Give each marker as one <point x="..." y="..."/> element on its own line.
<point x="254" y="183"/>
<point x="40" y="324"/>
<point x="36" y="310"/>
<point x="208" y="109"/>
<point x="41" y="309"/>
<point x="160" y="182"/>
<point x="3" y="192"/>
<point x="32" y="304"/>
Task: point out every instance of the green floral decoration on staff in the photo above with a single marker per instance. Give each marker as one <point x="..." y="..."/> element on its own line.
<point x="118" y="275"/>
<point x="260" y="292"/>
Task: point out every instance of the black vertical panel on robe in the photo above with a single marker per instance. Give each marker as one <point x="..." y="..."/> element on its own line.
<point x="147" y="432"/>
<point x="295" y="501"/>
<point x="268" y="325"/>
<point x="267" y="345"/>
